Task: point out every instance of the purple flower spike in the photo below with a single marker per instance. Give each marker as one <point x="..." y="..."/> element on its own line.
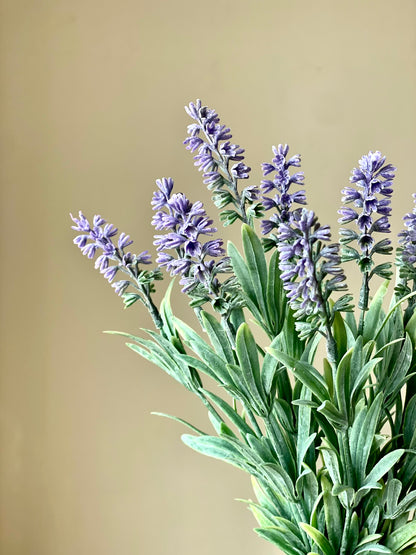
<point x="99" y="238"/>
<point x="407" y="237"/>
<point x="185" y="223"/>
<point x="309" y="266"/>
<point x="215" y="153"/>
<point x="370" y="197"/>
<point x="282" y="201"/>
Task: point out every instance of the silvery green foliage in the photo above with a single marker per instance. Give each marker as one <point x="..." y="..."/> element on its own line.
<point x="330" y="444"/>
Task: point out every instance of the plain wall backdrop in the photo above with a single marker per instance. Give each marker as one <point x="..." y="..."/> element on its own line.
<point x="92" y="96"/>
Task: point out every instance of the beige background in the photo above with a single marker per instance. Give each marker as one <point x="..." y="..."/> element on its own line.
<point x="91" y="114"/>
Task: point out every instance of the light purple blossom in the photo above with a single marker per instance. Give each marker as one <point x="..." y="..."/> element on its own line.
<point x="282" y="200"/>
<point x="373" y="180"/>
<point x="407" y="237"/>
<point x="210" y="140"/>
<point x="306" y="261"/>
<point x="185" y="224"/>
<point x="98" y="237"/>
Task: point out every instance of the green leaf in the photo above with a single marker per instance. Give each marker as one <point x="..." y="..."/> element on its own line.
<point x="392" y="494"/>
<point x="233" y="416"/>
<point x="243" y="277"/>
<point x="362" y="439"/>
<point x="249" y="363"/>
<point x="372" y="520"/>
<point x="401" y="367"/>
<point x="166" y="312"/>
<point x="340" y="334"/>
<point x="333" y="415"/>
<point x="304" y="424"/>
<point x="269" y="369"/>
<point x="409" y="428"/>
<point x="276" y="299"/>
<point x="383" y="466"/>
<point x="330" y="456"/>
<point x="332" y="510"/>
<point x="361" y="379"/>
<point x="204" y="351"/>
<point x="218" y="337"/>
<point x="279" y="537"/>
<point x="342" y="385"/>
<point x="306" y="373"/>
<point x="181" y="421"/>
<point x="216" y="447"/>
<point x="256" y="264"/>
<point x="153" y="353"/>
<point x="318" y="538"/>
<point x="369" y="548"/>
<point x="372" y="317"/>
<point x="403" y="537"/>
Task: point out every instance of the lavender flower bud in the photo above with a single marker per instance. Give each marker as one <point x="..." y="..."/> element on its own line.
<point x="99" y="237"/>
<point x="282" y="201"/>
<point x="309" y="268"/>
<point x="211" y="141"/>
<point x="373" y="179"/>
<point x="185" y="224"/>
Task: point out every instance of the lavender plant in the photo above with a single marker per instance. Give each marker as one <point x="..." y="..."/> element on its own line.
<point x="330" y="444"/>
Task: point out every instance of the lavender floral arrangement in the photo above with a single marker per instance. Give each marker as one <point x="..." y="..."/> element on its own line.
<point x="330" y="445"/>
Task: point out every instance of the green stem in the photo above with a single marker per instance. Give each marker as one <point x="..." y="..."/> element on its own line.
<point x="364" y="296"/>
<point x="228" y="331"/>
<point x="344" y="541"/>
<point x="154" y="312"/>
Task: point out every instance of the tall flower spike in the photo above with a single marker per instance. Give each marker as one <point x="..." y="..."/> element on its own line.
<point x="407" y="237"/>
<point x="113" y="258"/>
<point x="215" y="154"/>
<point x="281" y="201"/>
<point x="373" y="180"/>
<point x="310" y="271"/>
<point x="406" y="257"/>
<point x="184" y="224"/>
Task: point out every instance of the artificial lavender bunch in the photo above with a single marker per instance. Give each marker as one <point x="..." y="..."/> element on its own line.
<point x="113" y="258"/>
<point x="282" y="200"/>
<point x="372" y="192"/>
<point x="215" y="154"/>
<point x="310" y="271"/>
<point x="197" y="261"/>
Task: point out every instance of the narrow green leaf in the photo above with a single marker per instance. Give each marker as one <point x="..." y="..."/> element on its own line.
<point x="332" y="510"/>
<point x="318" y="538"/>
<point x="372" y="317"/>
<point x="342" y="384"/>
<point x="403" y="537"/>
<point x="333" y="415"/>
<point x="276" y="299"/>
<point x="241" y="271"/>
<point x="181" y="421"/>
<point x="218" y="337"/>
<point x="216" y="447"/>
<point x="383" y="466"/>
<point x="305" y="372"/>
<point x="203" y="350"/>
<point x="229" y="412"/>
<point x="249" y="363"/>
<point x="361" y="379"/>
<point x="279" y="537"/>
<point x="256" y="264"/>
<point x="361" y="450"/>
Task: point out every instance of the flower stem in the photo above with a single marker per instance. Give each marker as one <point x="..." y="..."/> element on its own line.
<point x="363" y="304"/>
